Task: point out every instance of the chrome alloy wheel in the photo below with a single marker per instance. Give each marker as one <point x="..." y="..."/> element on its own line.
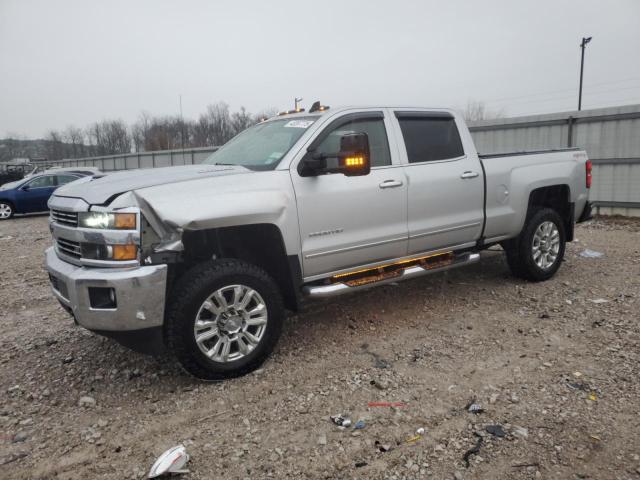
<point x="230" y="323"/>
<point x="546" y="245"/>
<point x="5" y="211"/>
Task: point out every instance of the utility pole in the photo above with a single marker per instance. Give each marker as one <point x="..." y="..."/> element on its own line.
<point x="296" y="101"/>
<point x="585" y="40"/>
<point x="182" y="128"/>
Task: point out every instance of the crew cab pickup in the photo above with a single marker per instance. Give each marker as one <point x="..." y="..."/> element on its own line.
<point x="203" y="260"/>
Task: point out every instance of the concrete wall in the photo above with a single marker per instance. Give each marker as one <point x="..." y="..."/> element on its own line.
<point x="611" y="137"/>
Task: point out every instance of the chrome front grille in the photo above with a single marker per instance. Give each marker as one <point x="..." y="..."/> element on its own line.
<point x="69" y="247"/>
<point x="65" y="218"/>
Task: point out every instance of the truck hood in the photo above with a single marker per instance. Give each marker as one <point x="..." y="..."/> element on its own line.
<point x="100" y="189"/>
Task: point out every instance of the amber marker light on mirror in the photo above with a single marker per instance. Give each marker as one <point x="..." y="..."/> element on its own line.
<point x="354" y="161"/>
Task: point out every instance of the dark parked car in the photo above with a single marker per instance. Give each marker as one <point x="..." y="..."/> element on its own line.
<point x="31" y="194"/>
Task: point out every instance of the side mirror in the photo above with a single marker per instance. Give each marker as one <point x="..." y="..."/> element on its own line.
<point x="25" y="188"/>
<point x="353" y="159"/>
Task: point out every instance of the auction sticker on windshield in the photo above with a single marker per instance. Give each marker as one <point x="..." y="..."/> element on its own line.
<point x="298" y="123"/>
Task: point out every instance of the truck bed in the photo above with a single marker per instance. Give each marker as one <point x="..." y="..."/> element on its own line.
<point x="510" y="178"/>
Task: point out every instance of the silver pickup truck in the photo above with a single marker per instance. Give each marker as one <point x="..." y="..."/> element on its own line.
<point x="203" y="260"/>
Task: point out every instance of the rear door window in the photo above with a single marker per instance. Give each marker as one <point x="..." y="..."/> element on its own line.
<point x="430" y="137"/>
<point x="62" y="179"/>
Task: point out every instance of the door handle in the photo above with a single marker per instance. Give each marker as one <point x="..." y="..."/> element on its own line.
<point x="469" y="174"/>
<point x="390" y="184"/>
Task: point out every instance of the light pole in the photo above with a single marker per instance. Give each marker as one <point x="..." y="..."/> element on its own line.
<point x="585" y="40"/>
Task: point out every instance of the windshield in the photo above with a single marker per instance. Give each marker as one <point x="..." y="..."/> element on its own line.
<point x="262" y="146"/>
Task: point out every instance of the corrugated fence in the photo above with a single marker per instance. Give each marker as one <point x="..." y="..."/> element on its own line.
<point x="128" y="161"/>
<point x="611" y="137"/>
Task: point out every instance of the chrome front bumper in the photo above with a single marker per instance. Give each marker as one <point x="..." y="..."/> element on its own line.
<point x="140" y="294"/>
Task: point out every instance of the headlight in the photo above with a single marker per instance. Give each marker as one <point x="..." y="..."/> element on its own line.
<point x="110" y="221"/>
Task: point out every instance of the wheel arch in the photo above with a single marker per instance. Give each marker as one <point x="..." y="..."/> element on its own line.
<point x="558" y="198"/>
<point x="10" y="202"/>
<point x="260" y="244"/>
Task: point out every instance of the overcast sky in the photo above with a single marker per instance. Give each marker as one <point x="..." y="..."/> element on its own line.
<point x="77" y="61"/>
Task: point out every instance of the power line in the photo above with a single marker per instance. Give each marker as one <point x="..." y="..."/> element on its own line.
<point x="563" y="90"/>
<point x="561" y="97"/>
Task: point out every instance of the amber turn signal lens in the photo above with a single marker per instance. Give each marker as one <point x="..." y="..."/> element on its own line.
<point x="125" y="221"/>
<point x="354" y="161"/>
<point x="125" y="252"/>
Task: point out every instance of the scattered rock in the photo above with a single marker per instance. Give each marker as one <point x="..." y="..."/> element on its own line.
<point x="520" y="432"/>
<point x="21" y="436"/>
<point x="88" y="402"/>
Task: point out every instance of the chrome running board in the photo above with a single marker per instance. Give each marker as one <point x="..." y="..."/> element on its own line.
<point x="339" y="288"/>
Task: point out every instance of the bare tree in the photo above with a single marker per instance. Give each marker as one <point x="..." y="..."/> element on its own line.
<point x="476" y="110"/>
<point x="55" y="147"/>
<point x="74" y="138"/>
<point x="109" y="137"/>
<point x="240" y="121"/>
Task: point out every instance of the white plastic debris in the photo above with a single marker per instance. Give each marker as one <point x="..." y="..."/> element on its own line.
<point x="586" y="253"/>
<point x="171" y="461"/>
<point x="598" y="300"/>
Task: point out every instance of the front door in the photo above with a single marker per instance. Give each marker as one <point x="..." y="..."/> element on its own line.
<point x="33" y="195"/>
<point x="345" y="221"/>
<point x="446" y="188"/>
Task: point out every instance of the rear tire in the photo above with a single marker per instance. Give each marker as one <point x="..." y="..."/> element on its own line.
<point x="6" y="210"/>
<point x="224" y="319"/>
<point x="536" y="254"/>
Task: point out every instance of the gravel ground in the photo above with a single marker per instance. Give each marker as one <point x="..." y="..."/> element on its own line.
<point x="555" y="364"/>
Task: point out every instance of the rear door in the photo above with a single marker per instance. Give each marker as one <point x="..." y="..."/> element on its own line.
<point x="352" y="221"/>
<point x="445" y="206"/>
<point x="63" y="179"/>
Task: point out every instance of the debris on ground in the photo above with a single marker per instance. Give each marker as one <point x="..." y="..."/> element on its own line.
<point x="341" y="420"/>
<point x="420" y="431"/>
<point x="578" y="386"/>
<point x="598" y="301"/>
<point x="413" y="439"/>
<point x="382" y="447"/>
<point x="425" y="337"/>
<point x="520" y="432"/>
<point x="359" y="425"/>
<point x="361" y="464"/>
<point x="171" y="461"/>
<point x="474" y="407"/>
<point x="495" y="430"/>
<point x="87" y="402"/>
<point x="586" y="253"/>
<point x="475" y="450"/>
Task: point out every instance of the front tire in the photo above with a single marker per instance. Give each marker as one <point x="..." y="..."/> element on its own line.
<point x="224" y="319"/>
<point x="536" y="254"/>
<point x="6" y="210"/>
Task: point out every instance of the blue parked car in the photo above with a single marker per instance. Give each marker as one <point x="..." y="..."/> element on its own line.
<point x="32" y="193"/>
